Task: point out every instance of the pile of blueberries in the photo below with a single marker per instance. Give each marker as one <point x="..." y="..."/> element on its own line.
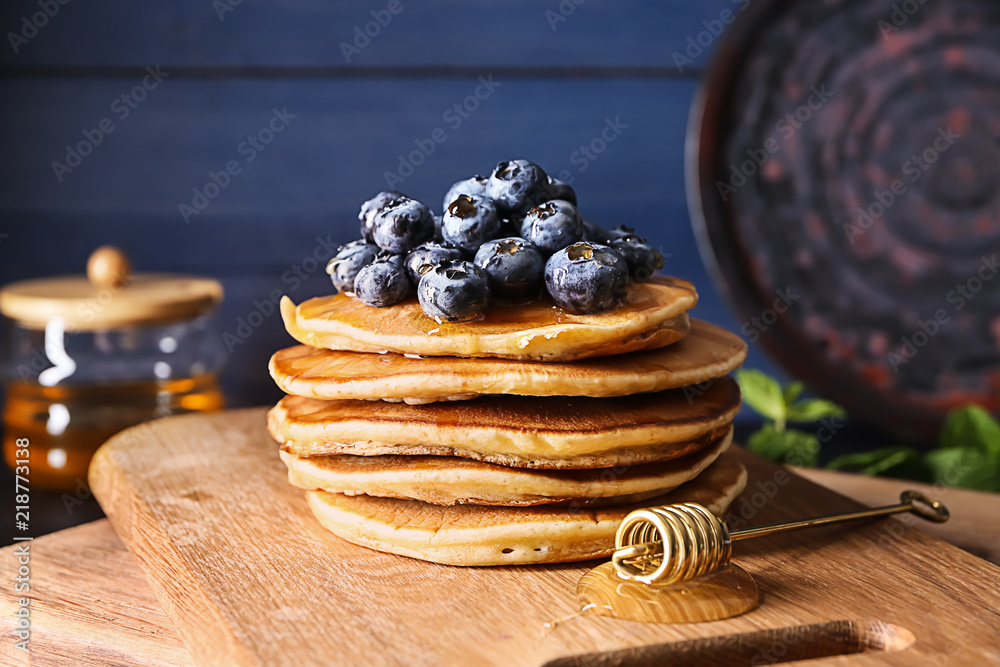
<point x="502" y="238"/>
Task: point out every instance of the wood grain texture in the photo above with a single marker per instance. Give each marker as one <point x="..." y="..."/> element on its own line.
<point x="248" y="576"/>
<point x="340" y="140"/>
<point x="91" y="563"/>
<point x="292" y="33"/>
<point x="973" y="526"/>
<point x="147" y="300"/>
<point x="90" y="605"/>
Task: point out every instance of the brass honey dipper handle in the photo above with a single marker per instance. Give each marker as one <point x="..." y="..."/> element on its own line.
<point x="674" y="543"/>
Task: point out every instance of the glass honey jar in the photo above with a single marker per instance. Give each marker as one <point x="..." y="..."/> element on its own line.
<point x="85" y="357"/>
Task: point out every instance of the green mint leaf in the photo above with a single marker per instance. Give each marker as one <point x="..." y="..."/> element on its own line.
<point x="767" y="443"/>
<point x="967" y="467"/>
<point x="813" y="410"/>
<point x="762" y="393"/>
<point x="787" y="446"/>
<point x="971" y="426"/>
<point x="803" y="448"/>
<point x="792" y="391"/>
<point x="893" y="461"/>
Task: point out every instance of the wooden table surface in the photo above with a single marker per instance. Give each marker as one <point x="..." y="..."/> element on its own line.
<point x="91" y="604"/>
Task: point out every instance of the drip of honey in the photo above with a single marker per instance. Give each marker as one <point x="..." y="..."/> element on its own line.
<point x="725" y="593"/>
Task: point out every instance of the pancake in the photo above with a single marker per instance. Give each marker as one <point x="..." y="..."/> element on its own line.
<point x="706" y="352"/>
<point x="476" y="535"/>
<point x="625" y="456"/>
<point x="447" y="480"/>
<point x="510" y="430"/>
<point x="653" y="316"/>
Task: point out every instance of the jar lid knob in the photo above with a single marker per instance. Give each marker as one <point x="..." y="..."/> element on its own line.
<point x="108" y="267"/>
<point x="110" y="296"/>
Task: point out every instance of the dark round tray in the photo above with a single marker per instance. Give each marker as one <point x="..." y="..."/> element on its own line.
<point x="843" y="167"/>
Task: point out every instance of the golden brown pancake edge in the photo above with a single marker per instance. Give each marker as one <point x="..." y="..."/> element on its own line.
<point x="472" y="535"/>
<point x="707" y="352"/>
<point x="548" y="428"/>
<point x="445" y="480"/>
<point x="655" y="315"/>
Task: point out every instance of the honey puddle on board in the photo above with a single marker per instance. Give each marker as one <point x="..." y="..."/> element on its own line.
<point x="728" y="592"/>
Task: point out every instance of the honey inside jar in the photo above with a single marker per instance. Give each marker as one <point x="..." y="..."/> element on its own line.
<point x="66" y="424"/>
<point x="88" y="356"/>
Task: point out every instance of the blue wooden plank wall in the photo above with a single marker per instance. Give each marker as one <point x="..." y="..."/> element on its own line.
<point x="161" y="95"/>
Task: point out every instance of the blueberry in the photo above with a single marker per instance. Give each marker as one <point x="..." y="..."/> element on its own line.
<point x="438" y="235"/>
<point x="395" y="258"/>
<point x="382" y="283"/>
<point x="560" y="190"/>
<point x="586" y="277"/>
<point x="403" y="225"/>
<point x="618" y="232"/>
<point x="469" y="221"/>
<point x="474" y="187"/>
<point x="426" y="255"/>
<point x="454" y="290"/>
<point x="552" y="225"/>
<point x="514" y="267"/>
<point x="518" y="186"/>
<point x="350" y="259"/>
<point x="368" y="210"/>
<point x="594" y="232"/>
<point x="642" y="259"/>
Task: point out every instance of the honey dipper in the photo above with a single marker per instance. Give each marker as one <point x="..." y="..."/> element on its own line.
<point x="674" y="543"/>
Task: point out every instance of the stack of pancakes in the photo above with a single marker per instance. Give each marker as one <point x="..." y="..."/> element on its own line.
<point x="525" y="437"/>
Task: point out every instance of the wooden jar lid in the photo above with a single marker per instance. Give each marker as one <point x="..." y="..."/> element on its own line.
<point x="109" y="297"/>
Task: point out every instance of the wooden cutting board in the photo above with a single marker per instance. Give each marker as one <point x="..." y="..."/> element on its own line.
<point x="249" y="577"/>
